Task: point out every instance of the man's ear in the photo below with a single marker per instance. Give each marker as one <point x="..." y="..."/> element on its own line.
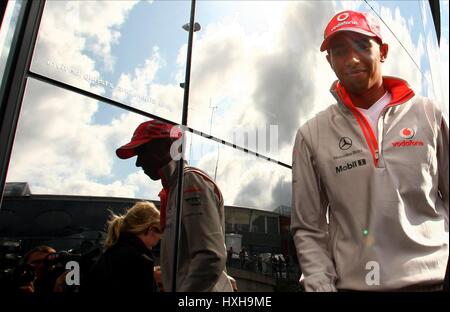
<point x="384" y="49"/>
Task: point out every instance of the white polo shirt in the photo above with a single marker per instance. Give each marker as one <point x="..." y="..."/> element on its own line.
<point x="373" y="112"/>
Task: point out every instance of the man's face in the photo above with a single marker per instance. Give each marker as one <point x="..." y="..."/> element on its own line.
<point x="152" y="156"/>
<point x="356" y="60"/>
<point x="36" y="260"/>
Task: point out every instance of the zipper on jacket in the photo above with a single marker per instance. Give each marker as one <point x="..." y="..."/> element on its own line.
<point x="381" y="129"/>
<point x="369" y="135"/>
<point x="380" y="133"/>
<point x="400" y="94"/>
<point x="371" y="140"/>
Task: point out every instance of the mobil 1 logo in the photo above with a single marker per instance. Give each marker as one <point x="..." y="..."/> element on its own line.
<point x="350" y="165"/>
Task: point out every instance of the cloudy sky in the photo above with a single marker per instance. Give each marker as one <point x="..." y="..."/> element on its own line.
<point x="256" y="69"/>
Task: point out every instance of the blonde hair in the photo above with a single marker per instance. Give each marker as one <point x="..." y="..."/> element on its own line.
<point x="138" y="219"/>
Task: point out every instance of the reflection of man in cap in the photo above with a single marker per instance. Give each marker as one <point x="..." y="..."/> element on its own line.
<point x="386" y="191"/>
<point x="202" y="251"/>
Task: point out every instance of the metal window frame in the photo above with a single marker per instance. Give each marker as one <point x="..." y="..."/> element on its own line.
<point x="15" y="79"/>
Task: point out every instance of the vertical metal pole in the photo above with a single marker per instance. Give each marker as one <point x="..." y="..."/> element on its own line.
<point x="181" y="162"/>
<point x="15" y="81"/>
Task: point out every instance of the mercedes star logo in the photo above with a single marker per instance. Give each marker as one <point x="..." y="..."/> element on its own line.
<point x="345" y="143"/>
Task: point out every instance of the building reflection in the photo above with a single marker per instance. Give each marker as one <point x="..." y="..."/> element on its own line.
<point x="77" y="223"/>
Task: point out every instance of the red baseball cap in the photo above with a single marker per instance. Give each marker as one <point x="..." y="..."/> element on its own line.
<point x="144" y="133"/>
<point x="363" y="23"/>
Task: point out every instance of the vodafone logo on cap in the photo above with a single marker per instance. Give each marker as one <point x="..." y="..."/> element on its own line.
<point x="407" y="133"/>
<point x="342" y="17"/>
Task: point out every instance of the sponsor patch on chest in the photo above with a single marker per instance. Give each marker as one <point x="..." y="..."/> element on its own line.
<point x="407" y="135"/>
<point x="350" y="165"/>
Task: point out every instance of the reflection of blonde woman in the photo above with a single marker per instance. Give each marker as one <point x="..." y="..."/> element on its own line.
<point x="127" y="263"/>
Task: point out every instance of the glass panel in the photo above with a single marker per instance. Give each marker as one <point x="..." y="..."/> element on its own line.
<point x="7" y="30"/>
<point x="250" y="74"/>
<point x="65" y="149"/>
<point x="413" y="51"/>
<point x="258" y="64"/>
<point x="255" y="192"/>
<point x="129" y="51"/>
<point x="436" y="74"/>
<point x="245" y="180"/>
<point x="444" y="56"/>
<point x="403" y="24"/>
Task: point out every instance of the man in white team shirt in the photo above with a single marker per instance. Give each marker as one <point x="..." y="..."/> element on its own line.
<point x="375" y="164"/>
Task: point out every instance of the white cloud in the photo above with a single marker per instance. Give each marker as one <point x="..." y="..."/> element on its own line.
<point x="143" y="186"/>
<point x="438" y="58"/>
<point x="444" y="74"/>
<point x="258" y="76"/>
<point x="424" y="13"/>
<point x="352" y="5"/>
<point x="398" y="62"/>
<point x="60" y="150"/>
<point x="131" y="85"/>
<point x="58" y="52"/>
<point x="81" y="185"/>
<point x="437" y="77"/>
<point x="102" y="27"/>
<point x="444" y="57"/>
<point x="246" y="181"/>
<point x="55" y="137"/>
<point x="139" y="90"/>
<point x="411" y="22"/>
<point x="70" y="29"/>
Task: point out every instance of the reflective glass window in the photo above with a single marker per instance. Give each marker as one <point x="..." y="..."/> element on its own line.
<point x="130" y="51"/>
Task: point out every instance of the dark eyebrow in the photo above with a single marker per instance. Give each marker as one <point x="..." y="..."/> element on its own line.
<point x="363" y="40"/>
<point x="338" y="46"/>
